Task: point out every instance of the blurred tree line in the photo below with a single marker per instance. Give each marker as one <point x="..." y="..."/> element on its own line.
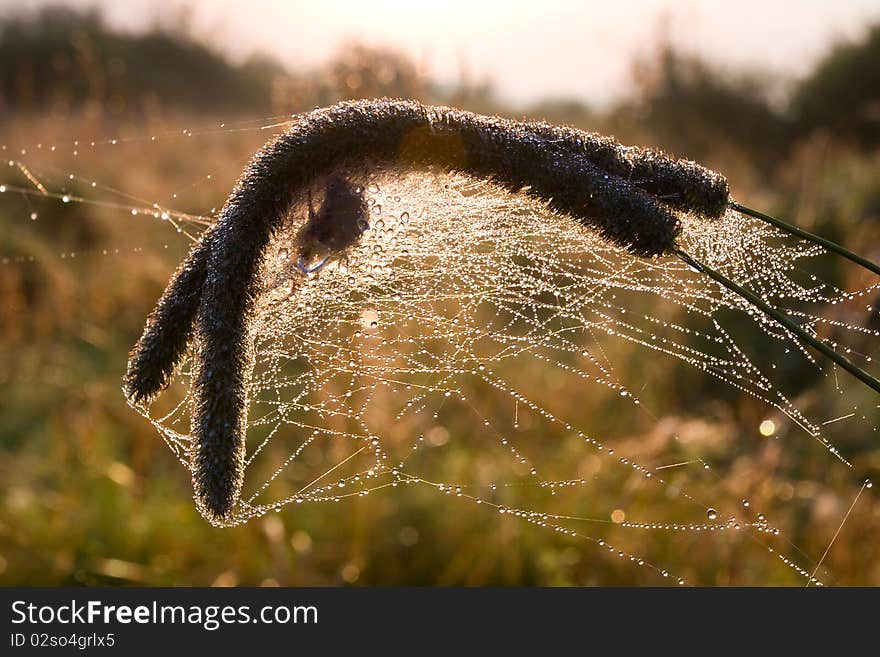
<point x="691" y="104"/>
<point x="62" y="59"/>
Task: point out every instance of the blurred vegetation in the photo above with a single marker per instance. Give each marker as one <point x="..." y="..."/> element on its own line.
<point x="843" y="94"/>
<point x="701" y="111"/>
<point x="62" y="60"/>
<point x="90" y="494"/>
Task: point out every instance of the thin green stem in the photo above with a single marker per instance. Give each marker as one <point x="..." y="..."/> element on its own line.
<point x="800" y="232"/>
<point x="783" y="320"/>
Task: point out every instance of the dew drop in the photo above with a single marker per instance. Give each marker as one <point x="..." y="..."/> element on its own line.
<point x="767" y="428"/>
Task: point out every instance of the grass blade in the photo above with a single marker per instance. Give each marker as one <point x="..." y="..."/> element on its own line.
<point x="803" y="234"/>
<point x="782" y="319"/>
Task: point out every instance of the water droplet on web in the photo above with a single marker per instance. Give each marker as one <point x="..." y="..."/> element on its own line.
<point x="369" y="318"/>
<point x="312" y="263"/>
<point x="711" y="514"/>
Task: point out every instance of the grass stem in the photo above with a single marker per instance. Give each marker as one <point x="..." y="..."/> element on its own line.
<point x="803" y="234"/>
<point x="783" y="320"/>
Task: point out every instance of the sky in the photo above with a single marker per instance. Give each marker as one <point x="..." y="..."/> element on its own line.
<point x="535" y="50"/>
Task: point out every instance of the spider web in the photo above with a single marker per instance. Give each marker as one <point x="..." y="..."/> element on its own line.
<point x="470" y="322"/>
<point x="478" y="347"/>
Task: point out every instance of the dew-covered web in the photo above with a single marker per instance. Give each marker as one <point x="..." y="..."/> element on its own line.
<point x="474" y="345"/>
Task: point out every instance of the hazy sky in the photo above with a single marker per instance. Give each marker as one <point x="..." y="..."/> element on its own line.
<point x="530" y="50"/>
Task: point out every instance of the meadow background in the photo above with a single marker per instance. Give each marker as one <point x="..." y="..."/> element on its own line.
<point x="90" y="495"/>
